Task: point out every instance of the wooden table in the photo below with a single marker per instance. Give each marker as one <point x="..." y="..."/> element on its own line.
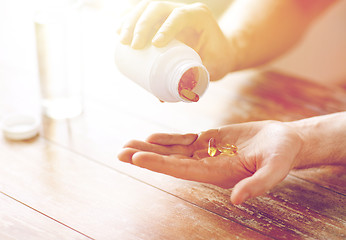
<point x="68" y="184"/>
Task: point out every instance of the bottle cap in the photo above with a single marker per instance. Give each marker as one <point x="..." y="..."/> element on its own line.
<point x="20" y="126"/>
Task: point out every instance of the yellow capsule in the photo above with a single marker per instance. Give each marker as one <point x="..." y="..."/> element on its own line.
<point x="228" y="149"/>
<point x="212" y="147"/>
<point x="189" y="95"/>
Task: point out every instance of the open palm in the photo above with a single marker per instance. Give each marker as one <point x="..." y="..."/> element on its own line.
<point x="267" y="152"/>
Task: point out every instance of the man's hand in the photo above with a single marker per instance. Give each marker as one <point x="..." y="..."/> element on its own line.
<point x="159" y="22"/>
<point x="266" y="153"/>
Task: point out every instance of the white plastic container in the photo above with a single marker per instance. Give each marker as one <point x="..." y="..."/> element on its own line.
<point x="20" y="126"/>
<point x="159" y="70"/>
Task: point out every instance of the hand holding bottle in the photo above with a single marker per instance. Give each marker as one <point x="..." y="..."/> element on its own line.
<point x="194" y="25"/>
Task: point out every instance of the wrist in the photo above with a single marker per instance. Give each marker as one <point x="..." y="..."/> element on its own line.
<point x="309" y="154"/>
<point x="323" y="140"/>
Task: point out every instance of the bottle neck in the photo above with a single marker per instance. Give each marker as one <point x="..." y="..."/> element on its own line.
<point x="168" y="68"/>
<point x="202" y="78"/>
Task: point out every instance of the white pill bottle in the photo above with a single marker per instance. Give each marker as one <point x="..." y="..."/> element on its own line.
<point x="160" y="70"/>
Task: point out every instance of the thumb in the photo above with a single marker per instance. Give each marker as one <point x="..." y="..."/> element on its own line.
<point x="260" y="182"/>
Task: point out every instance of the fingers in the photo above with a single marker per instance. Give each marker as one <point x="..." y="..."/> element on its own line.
<point x="170" y="144"/>
<point x="170" y="28"/>
<point x="165" y="20"/>
<point x="260" y="182"/>
<point x="172" y="139"/>
<point x="183" y="168"/>
<point x="200" y="154"/>
<point x="126" y="154"/>
<point x="200" y="141"/>
<point x="148" y="23"/>
<point x="129" y="23"/>
<point x="186" y="16"/>
<point x="141" y="24"/>
<point x="160" y="149"/>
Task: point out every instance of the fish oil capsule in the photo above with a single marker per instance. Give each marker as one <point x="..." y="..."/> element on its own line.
<point x="212" y="147"/>
<point x="187" y="83"/>
<point x="228" y="149"/>
<point x="189" y="95"/>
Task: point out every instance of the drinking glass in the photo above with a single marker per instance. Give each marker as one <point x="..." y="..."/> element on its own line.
<point x="59" y="52"/>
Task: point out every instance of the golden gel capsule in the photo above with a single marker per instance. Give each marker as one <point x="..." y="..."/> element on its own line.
<point x="228" y="149"/>
<point x="212" y="147"/>
<point x="189" y="95"/>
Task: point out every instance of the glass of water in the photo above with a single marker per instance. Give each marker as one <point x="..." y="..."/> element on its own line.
<point x="59" y="52"/>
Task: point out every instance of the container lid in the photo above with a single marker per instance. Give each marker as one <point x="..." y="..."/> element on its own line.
<point x="20" y="126"/>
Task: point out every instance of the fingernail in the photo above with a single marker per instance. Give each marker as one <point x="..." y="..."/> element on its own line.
<point x="158" y="38"/>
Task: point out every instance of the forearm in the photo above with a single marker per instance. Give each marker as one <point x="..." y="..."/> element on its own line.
<point x="259" y="31"/>
<point x="324" y="140"/>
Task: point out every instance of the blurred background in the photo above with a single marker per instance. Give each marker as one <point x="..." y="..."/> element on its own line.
<point x="320" y="56"/>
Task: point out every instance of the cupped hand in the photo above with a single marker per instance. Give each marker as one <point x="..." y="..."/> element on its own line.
<point x="267" y="151"/>
<point x="159" y="22"/>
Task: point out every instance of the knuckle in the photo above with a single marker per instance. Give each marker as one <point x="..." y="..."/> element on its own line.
<point x="201" y="7"/>
<point x="156" y="5"/>
<point x="150" y="17"/>
<point x="195" y="11"/>
<point x="181" y="12"/>
<point x="141" y="27"/>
